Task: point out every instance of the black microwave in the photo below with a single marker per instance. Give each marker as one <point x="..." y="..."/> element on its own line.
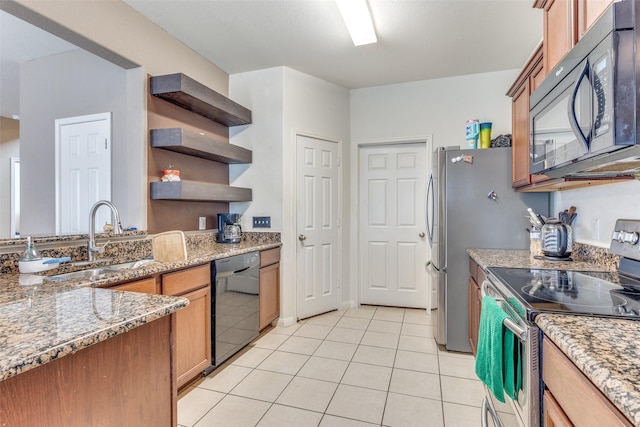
<point x="584" y="117"/>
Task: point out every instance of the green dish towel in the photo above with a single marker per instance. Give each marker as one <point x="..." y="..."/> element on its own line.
<point x="498" y="356"/>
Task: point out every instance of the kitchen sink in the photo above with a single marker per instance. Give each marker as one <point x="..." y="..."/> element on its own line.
<point x="92" y="273"/>
<point x="129" y="265"/>
<point x="98" y="272"/>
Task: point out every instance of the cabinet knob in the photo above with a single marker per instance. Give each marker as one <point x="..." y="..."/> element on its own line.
<point x="302" y="237"/>
<point x="421" y="235"/>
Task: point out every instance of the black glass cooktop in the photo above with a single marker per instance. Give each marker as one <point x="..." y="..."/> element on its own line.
<point x="570" y="292"/>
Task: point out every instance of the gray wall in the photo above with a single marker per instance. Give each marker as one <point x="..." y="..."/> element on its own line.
<point x="74" y="84"/>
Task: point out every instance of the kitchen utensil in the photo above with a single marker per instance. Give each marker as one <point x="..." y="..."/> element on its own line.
<point x="169" y="246"/>
<point x="556" y="239"/>
<point x="534" y="218"/>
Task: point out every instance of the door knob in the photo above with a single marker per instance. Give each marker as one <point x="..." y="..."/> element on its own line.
<point x="302" y="237"/>
<point x="421" y="235"/>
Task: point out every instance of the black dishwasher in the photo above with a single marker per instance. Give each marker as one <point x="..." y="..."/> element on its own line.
<point x="235" y="305"/>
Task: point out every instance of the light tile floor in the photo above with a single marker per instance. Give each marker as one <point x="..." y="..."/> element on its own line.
<point x="371" y="366"/>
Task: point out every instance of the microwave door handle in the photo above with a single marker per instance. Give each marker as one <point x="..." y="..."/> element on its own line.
<point x="429" y="219"/>
<point x="573" y="120"/>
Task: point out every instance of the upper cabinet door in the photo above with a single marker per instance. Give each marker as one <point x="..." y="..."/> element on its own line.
<point x="588" y="11"/>
<point x="559" y="31"/>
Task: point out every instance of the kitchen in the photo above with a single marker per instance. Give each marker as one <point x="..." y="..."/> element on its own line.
<point x="372" y="118"/>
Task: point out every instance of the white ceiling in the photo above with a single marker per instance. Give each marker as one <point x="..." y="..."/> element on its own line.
<point x="417" y="39"/>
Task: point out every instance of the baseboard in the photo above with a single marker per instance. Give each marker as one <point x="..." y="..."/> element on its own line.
<point x="283" y="322"/>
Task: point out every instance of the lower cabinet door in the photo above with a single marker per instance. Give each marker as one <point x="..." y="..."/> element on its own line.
<point x="554" y="416"/>
<point x="269" y="294"/>
<point x="193" y="335"/>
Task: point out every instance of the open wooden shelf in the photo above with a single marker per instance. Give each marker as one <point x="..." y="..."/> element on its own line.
<point x="191" y="95"/>
<point x="199" y="145"/>
<point x="196" y="191"/>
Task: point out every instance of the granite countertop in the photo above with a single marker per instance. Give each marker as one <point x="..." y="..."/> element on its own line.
<point x="606" y="350"/>
<point x="517" y="258"/>
<point x="41" y="321"/>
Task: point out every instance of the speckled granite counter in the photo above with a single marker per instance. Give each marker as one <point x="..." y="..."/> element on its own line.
<point x="42" y="321"/>
<point x="516" y="258"/>
<point x="607" y="351"/>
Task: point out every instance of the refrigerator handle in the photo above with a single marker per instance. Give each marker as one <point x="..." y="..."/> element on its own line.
<point x="429" y="218"/>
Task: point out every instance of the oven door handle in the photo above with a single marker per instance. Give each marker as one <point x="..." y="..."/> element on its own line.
<point x="520" y="332"/>
<point x="487" y="409"/>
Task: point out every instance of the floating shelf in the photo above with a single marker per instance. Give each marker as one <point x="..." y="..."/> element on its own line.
<point x="195" y="144"/>
<point x="197" y="98"/>
<point x="196" y="191"/>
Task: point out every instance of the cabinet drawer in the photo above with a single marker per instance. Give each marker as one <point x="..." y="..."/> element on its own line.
<point x="580" y="400"/>
<point x="186" y="280"/>
<point x="270" y="256"/>
<point x="147" y="286"/>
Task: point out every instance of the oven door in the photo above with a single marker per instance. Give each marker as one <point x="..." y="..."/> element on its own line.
<point x="527" y="407"/>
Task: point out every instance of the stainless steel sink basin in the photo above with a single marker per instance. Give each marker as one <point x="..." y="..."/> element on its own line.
<point x="129" y="265"/>
<point x="92" y="273"/>
<point x="98" y="272"/>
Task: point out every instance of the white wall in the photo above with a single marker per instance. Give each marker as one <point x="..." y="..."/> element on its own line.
<point x="438" y="107"/>
<point x="603" y="204"/>
<point x="283" y="102"/>
<point x="73" y="84"/>
<point x="262" y="92"/>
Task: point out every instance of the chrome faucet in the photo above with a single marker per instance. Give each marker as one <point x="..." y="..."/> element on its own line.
<point x="117" y="228"/>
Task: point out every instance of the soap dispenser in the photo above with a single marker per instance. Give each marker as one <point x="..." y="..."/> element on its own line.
<point x="30" y="253"/>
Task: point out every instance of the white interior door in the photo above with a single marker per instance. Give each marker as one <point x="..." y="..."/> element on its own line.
<point x="83" y="171"/>
<point x="393" y="248"/>
<point x="318" y="207"/>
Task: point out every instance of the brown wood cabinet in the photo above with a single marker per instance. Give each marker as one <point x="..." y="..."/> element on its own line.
<point x="193" y="323"/>
<point x="588" y="11"/>
<point x="565" y="23"/>
<point x="269" y="286"/>
<point x="559" y="31"/>
<point x="531" y="76"/>
<point x="476" y="277"/>
<point x="570" y="398"/>
<point x="553" y="415"/>
<point x="146" y="286"/>
<point x="125" y="380"/>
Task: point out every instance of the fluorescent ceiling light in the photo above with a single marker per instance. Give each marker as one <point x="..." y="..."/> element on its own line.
<point x="357" y="18"/>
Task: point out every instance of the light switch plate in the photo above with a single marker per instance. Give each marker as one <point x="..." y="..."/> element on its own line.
<point x="261" y="222"/>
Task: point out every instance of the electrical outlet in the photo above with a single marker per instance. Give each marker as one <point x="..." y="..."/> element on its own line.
<point x="595" y="229"/>
<point x="202" y="223"/>
<point x="262" y="222"/>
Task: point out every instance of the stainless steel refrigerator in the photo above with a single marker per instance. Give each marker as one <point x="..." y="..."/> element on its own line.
<point x="471" y="204"/>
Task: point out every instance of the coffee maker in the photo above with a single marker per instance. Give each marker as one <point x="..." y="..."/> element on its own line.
<point x="229" y="230"/>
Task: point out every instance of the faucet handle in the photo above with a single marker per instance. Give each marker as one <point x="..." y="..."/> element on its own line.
<point x="99" y="249"/>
